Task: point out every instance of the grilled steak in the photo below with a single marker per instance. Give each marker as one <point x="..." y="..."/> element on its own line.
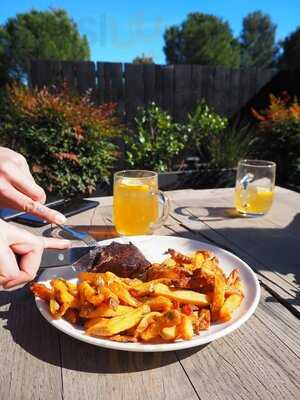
<point x="124" y="260"/>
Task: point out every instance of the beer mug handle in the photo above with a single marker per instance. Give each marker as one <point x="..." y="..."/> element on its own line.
<point x="165" y="210"/>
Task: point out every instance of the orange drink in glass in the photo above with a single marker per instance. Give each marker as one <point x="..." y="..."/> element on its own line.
<point x="254" y="190"/>
<point x="136" y="202"/>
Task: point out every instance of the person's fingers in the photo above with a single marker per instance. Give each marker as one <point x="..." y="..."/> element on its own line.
<point x="30" y="260"/>
<point x="21" y="279"/>
<point x="29" y="265"/>
<point x="15" y="199"/>
<point x="23" y="181"/>
<point x="8" y="264"/>
<point x="52" y="243"/>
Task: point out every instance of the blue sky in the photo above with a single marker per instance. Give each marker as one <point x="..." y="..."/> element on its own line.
<point x="119" y="30"/>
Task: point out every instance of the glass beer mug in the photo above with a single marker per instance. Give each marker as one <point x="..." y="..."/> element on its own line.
<point x="136" y="203"/>
<point x="254" y="189"/>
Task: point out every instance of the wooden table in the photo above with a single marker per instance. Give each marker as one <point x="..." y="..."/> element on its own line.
<point x="258" y="361"/>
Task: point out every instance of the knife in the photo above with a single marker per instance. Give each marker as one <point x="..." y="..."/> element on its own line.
<point x="83" y="256"/>
<point x="85" y="237"/>
<point x="58" y="258"/>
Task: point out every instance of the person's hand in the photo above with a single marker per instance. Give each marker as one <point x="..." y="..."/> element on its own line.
<point x="29" y="249"/>
<point x="18" y="189"/>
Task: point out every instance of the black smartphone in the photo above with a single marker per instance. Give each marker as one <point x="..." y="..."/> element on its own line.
<point x="66" y="207"/>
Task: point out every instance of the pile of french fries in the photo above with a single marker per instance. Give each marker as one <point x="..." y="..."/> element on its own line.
<point x="132" y="310"/>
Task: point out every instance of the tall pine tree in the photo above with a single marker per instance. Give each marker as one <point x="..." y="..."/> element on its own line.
<point x="257" y="41"/>
<point x="202" y="39"/>
<point x="39" y="34"/>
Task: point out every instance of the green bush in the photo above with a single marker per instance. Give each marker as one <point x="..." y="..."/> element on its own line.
<point x="64" y="137"/>
<point x="156" y="141"/>
<point x="279" y="137"/>
<point x="204" y="128"/>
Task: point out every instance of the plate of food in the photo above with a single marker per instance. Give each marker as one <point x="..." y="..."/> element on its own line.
<point x="149" y="293"/>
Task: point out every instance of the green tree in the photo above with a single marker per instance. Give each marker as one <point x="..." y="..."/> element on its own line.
<point x="143" y="59"/>
<point x="291" y="50"/>
<point x="202" y="39"/>
<point x="258" y="48"/>
<point x="39" y="34"/>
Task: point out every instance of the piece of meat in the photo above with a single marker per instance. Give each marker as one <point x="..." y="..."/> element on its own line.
<point x="124" y="260"/>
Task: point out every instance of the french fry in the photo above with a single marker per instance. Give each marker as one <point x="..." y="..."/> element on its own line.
<point x="168" y="333"/>
<point x="89" y="323"/>
<point x="238" y="285"/>
<point x="182" y="296"/>
<point x="89" y="277"/>
<point x="151" y="333"/>
<point x="234" y="284"/>
<point x="203" y="322"/>
<point x="232" y="290"/>
<point x="71" y="316"/>
<point x="85" y="291"/>
<point x="169" y="262"/>
<point x="72" y="288"/>
<point x="110" y="297"/>
<point x="145" y="288"/>
<point x="123" y="338"/>
<point x="218" y="295"/>
<point x="159" y="303"/>
<point x="110" y="277"/>
<point x="105" y="311"/>
<point x="179" y="257"/>
<point x="85" y="310"/>
<point x="58" y="310"/>
<point x="123" y="294"/>
<point x="54" y="307"/>
<point x="232" y="277"/>
<point x="42" y="291"/>
<point x="96" y="299"/>
<point x="146" y="321"/>
<point x="61" y="292"/>
<point x="88" y="294"/>
<point x="185" y="328"/>
<point x="131" y="282"/>
<point x="231" y="304"/>
<point x="170" y="318"/>
<point x="198" y="260"/>
<point x="112" y="326"/>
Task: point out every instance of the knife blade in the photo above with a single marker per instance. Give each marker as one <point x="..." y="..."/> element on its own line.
<point x="57" y="258"/>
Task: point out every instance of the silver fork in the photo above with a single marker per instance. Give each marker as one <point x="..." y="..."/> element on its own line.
<point x="86" y="238"/>
<point x="79" y="235"/>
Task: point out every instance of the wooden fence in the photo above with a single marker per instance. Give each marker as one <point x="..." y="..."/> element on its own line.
<point x="176" y="88"/>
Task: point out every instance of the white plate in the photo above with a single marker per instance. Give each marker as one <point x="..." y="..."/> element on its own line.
<point x="154" y="247"/>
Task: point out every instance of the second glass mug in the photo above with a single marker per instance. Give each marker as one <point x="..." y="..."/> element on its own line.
<point x="254" y="190"/>
<point x="136" y="202"/>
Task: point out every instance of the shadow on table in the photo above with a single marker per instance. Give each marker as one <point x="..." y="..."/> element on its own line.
<point x="37" y="337"/>
<point x="207" y="213"/>
<point x="276" y="247"/>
